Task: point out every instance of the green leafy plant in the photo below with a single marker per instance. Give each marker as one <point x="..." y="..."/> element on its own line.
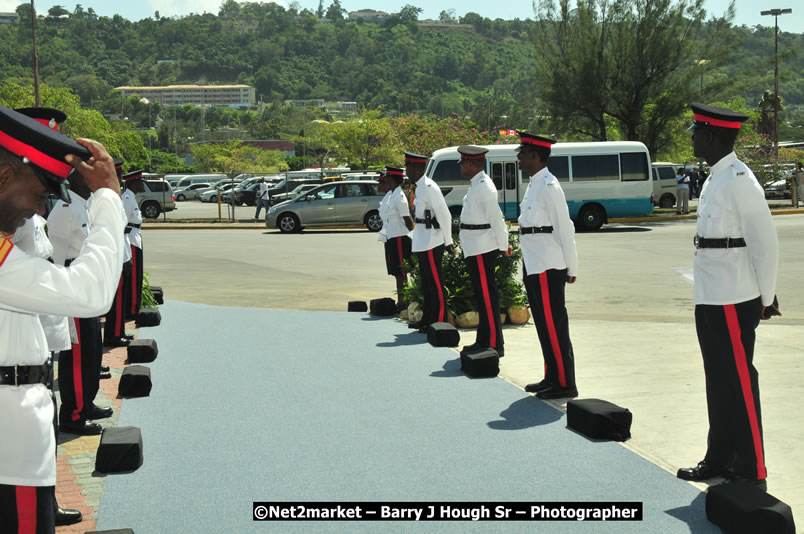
<point x="458" y="286"/>
<point x="148" y="300"/>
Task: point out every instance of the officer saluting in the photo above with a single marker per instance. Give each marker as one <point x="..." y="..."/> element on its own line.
<point x="550" y="262"/>
<point x="735" y="283"/>
<point x="396" y="227"/>
<point x="32" y="167"/>
<point x="483" y="235"/>
<point x="433" y="232"/>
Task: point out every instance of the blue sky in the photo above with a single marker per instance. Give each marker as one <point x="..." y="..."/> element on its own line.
<point x="747" y="10"/>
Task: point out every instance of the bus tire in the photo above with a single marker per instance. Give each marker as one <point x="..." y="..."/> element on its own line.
<point x="590" y="218"/>
<point x="667" y="201"/>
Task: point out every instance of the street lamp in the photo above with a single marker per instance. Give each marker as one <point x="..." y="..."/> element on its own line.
<point x="144" y="100"/>
<point x="701" y="63"/>
<point x="775" y="14"/>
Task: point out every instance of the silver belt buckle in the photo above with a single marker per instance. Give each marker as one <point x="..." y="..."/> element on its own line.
<point x="16" y="375"/>
<point x="695" y="240"/>
<point x="728" y="242"/>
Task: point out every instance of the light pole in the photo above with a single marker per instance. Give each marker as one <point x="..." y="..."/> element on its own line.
<point x="775" y="13"/>
<point x="35" y="55"/>
<point x="701" y="63"/>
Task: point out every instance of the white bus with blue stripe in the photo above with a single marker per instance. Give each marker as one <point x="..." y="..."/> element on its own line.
<point x="600" y="180"/>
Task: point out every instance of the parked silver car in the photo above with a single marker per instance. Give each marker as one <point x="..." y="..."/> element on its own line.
<point x="157" y="196"/>
<point x="190" y="192"/>
<point x="339" y="203"/>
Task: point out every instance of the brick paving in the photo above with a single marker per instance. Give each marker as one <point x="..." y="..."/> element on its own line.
<point x="78" y="486"/>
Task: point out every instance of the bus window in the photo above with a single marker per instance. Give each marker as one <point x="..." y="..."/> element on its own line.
<point x="634" y="166"/>
<point x="447" y="170"/>
<point x="496" y="175"/>
<point x="595" y="168"/>
<point x="510" y="176"/>
<point x="559" y="167"/>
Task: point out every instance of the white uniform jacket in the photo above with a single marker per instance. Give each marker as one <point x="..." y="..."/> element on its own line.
<point x="395" y="207"/>
<point x="383" y="233"/>
<point x="544" y="204"/>
<point x="32" y="239"/>
<point x="428" y="197"/>
<point x="68" y="226"/>
<point x="134" y="217"/>
<point x="29" y="286"/>
<point x="733" y="204"/>
<point x="480" y="206"/>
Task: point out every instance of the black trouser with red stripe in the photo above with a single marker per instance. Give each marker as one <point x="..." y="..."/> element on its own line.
<point x="135" y="283"/>
<point x="726" y="335"/>
<point x="27" y="509"/>
<point x="115" y="326"/>
<point x="546" y="297"/>
<point x="79" y="371"/>
<point x="435" y="298"/>
<point x="487" y="300"/>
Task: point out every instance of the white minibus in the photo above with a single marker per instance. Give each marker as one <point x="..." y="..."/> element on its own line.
<point x="600" y="180"/>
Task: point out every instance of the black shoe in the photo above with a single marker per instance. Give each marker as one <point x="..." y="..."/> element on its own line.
<point x="128" y="337"/>
<point x="104" y="376"/>
<point x="424" y="328"/>
<point x="67" y="516"/>
<point x="116" y="342"/>
<point x="500" y="351"/>
<point x="539" y="386"/>
<point x="557" y="392"/>
<point x="734" y="478"/>
<point x="105" y="369"/>
<point x="703" y="471"/>
<point x="82" y="428"/>
<point x="417" y="325"/>
<point x="99" y="412"/>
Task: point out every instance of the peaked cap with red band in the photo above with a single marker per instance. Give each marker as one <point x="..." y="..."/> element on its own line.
<point x="528" y="139"/>
<point x="118" y="167"/>
<point x="410" y="157"/>
<point x="472" y="152"/>
<point x="41" y="147"/>
<point x="394" y="171"/>
<point x="130" y="177"/>
<point x="48" y="116"/>
<point x="717" y="117"/>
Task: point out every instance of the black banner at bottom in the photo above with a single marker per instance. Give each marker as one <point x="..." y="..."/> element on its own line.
<point x="447" y="511"/>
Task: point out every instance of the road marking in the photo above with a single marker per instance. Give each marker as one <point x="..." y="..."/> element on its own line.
<point x="686" y="273"/>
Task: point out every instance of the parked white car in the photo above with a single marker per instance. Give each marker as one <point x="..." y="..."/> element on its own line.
<point x="191" y="191"/>
<point x="211" y="194"/>
<point x="157" y="197"/>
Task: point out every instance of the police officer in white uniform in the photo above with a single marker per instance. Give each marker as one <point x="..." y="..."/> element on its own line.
<point x="114" y="329"/>
<point x="32" y="167"/>
<point x="133" y="185"/>
<point x="431" y="236"/>
<point x="735" y="265"/>
<point x="397" y="225"/>
<point x="79" y="365"/>
<point x="483" y="236"/>
<point x="550" y="261"/>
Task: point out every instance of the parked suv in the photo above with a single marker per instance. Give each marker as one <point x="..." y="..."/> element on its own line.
<point x="664" y="183"/>
<point x="157" y="197"/>
<point x="339" y="203"/>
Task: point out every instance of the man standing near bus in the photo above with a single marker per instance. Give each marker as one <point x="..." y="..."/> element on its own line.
<point x="735" y="283"/>
<point x="550" y="262"/>
<point x="483" y="235"/>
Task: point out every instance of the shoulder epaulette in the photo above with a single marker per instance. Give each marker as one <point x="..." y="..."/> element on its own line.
<point x="5" y="249"/>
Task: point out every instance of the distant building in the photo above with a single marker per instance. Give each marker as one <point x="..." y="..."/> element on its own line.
<point x="345" y="105"/>
<point x="9" y="18"/>
<point x="233" y="96"/>
<point x="311" y="103"/>
<point x="368" y="15"/>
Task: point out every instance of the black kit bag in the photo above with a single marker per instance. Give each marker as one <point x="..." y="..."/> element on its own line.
<point x="483" y="364"/>
<point x="740" y="508"/>
<point x="599" y="419"/>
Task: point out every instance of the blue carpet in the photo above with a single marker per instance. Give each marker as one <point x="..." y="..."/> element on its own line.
<point x="275" y="405"/>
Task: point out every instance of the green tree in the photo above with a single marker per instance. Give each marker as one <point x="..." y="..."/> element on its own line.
<point x="335" y="11"/>
<point x="409" y="13"/>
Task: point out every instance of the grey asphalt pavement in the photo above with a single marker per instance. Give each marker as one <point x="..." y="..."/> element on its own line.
<point x="631" y="316"/>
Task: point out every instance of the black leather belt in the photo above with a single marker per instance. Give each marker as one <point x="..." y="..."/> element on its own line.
<point x="17" y="375"/>
<point x="535" y="229"/>
<point x="429" y="223"/>
<point x="475" y="226"/>
<point x="718" y="242"/>
<point x="68" y="261"/>
<point x="128" y="229"/>
<point x="133" y="225"/>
